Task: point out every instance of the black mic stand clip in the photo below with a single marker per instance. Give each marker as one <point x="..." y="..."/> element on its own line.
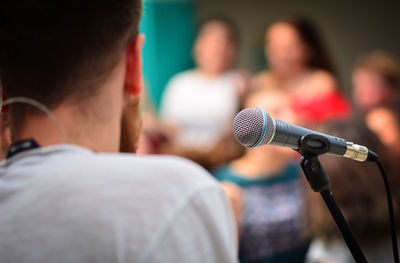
<point x="310" y="147"/>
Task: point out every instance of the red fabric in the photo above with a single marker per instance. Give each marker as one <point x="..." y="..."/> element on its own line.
<point x="331" y="106"/>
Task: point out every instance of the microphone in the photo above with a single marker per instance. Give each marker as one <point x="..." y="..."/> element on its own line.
<point x="254" y="127"/>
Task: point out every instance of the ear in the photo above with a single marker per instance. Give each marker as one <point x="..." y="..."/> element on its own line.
<point x="133" y="78"/>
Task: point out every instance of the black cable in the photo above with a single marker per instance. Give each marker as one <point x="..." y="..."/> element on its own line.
<point x="375" y="158"/>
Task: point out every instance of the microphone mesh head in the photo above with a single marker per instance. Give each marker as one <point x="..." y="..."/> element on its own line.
<point x="248" y="127"/>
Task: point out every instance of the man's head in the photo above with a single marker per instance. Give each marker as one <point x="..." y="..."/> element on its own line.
<point x="376" y="80"/>
<point x="67" y="51"/>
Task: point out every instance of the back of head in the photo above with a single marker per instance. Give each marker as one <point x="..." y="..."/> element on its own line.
<point x="357" y="187"/>
<point x="51" y="51"/>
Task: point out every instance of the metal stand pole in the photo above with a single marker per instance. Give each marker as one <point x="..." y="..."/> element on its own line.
<point x="310" y="147"/>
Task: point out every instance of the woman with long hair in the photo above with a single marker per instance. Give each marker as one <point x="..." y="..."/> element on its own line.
<point x="300" y="64"/>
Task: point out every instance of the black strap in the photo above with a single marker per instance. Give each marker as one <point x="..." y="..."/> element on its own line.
<point x="20" y="146"/>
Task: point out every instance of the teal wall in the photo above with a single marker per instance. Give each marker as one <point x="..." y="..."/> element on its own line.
<point x="169" y="31"/>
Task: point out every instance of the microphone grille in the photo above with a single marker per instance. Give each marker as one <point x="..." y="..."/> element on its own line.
<point x="248" y="127"/>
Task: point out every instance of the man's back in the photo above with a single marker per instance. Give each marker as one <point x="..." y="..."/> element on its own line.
<point x="67" y="204"/>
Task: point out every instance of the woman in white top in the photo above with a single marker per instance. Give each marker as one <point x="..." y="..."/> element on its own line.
<point x="199" y="104"/>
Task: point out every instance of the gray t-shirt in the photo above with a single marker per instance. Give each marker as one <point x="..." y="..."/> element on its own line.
<point x="67" y="204"/>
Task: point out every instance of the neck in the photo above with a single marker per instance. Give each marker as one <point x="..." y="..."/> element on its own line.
<point x="262" y="162"/>
<point x="76" y="128"/>
<point x="210" y="74"/>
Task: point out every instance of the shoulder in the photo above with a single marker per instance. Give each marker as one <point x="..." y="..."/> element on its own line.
<point x="132" y="186"/>
<point x="178" y="84"/>
<point x="263" y="79"/>
<point x="236" y="74"/>
<point x="157" y="203"/>
<point x="323" y="75"/>
<point x="200" y="224"/>
<point x="234" y="194"/>
<point x="240" y="79"/>
<point x="77" y="169"/>
<point x="165" y="170"/>
<point x="322" y="82"/>
<point x="316" y="85"/>
<point x="183" y="77"/>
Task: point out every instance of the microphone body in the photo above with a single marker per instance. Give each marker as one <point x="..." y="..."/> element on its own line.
<point x="289" y="135"/>
<point x="254" y="127"/>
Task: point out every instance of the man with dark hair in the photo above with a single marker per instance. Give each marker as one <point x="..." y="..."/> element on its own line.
<point x="376" y="81"/>
<point x="76" y="67"/>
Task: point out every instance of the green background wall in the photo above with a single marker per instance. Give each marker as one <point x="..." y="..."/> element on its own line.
<point x="169" y="30"/>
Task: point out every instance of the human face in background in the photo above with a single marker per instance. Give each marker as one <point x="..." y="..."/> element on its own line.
<point x="285" y="51"/>
<point x="386" y="126"/>
<point x="214" y="51"/>
<point x="369" y="89"/>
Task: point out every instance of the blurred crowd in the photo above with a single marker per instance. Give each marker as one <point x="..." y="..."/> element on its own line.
<point x="278" y="218"/>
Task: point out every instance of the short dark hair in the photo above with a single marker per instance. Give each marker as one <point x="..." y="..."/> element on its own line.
<point x="382" y="63"/>
<point x="228" y="23"/>
<point x="53" y="50"/>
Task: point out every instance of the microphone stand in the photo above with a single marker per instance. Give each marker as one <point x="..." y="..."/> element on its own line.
<point x="311" y="146"/>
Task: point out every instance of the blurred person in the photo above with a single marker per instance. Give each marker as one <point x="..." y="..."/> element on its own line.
<point x="376" y="81"/>
<point x="151" y="137"/>
<point x="198" y="105"/>
<point x="299" y="64"/>
<point x="376" y="90"/>
<point x="360" y="193"/>
<point x="384" y="121"/>
<point x="267" y="193"/>
<point x="66" y="194"/>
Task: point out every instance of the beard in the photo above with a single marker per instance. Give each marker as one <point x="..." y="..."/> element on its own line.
<point x="5" y="136"/>
<point x="131" y="125"/>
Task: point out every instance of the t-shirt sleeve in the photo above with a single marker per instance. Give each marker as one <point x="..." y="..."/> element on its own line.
<point x="203" y="230"/>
